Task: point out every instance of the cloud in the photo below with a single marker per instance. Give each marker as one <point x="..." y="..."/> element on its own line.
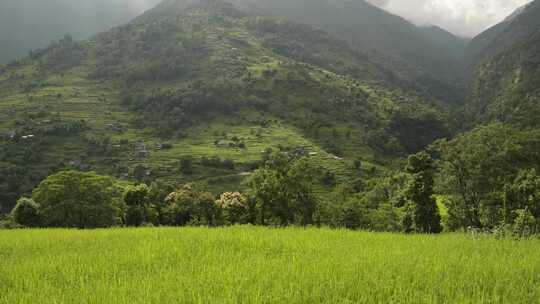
<point x="462" y="17"/>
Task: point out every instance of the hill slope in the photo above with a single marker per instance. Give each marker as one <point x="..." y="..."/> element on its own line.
<point x="505" y="85"/>
<point x="209" y="82"/>
<point x="516" y="28"/>
<point x="393" y="42"/>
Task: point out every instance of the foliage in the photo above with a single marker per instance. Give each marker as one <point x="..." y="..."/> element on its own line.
<point x="283" y="190"/>
<point x="139" y="210"/>
<point x="235" y="208"/>
<point x="190" y="206"/>
<point x="425" y="213"/>
<point x="477" y="167"/>
<point x="79" y="200"/>
<point x="26" y="213"/>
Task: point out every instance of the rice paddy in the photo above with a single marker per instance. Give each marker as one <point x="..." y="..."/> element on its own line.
<point x="263" y="265"/>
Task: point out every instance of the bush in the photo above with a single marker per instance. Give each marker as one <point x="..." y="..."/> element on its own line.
<point x="26" y="213"/>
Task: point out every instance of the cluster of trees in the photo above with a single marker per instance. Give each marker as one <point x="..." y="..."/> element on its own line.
<point x="401" y="202"/>
<point x="60" y="55"/>
<point x="279" y="193"/>
<point x="86" y="200"/>
<point x="170" y="110"/>
<point x="489" y="177"/>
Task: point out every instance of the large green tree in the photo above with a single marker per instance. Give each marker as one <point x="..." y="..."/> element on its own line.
<point x="79" y="200"/>
<point x="283" y="190"/>
<point x="139" y="210"/>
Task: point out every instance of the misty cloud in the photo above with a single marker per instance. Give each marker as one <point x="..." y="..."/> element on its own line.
<point x="462" y="17"/>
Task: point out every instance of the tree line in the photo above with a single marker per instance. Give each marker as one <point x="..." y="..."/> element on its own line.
<point x="279" y="193"/>
<point x="484" y="180"/>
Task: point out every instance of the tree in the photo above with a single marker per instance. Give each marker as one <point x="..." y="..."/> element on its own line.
<point x="426" y="217"/>
<point x="139" y="210"/>
<point x="524" y="223"/>
<point x="26" y="212"/>
<point x="235" y="207"/>
<point x="156" y="198"/>
<point x="299" y="186"/>
<point x="79" y="200"/>
<point x="522" y="203"/>
<point x="189" y="206"/>
<point x="282" y="190"/>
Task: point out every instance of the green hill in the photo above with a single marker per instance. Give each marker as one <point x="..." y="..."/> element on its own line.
<point x="209" y="82"/>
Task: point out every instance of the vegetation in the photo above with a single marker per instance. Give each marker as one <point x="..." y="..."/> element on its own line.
<point x="78" y="200"/>
<point x="505" y="81"/>
<point x="26" y="213"/>
<point x="479" y="170"/>
<point x="423" y="212"/>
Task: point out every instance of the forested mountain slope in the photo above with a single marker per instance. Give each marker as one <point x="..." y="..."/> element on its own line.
<point x="516" y="28"/>
<point x="196" y="92"/>
<point x="505" y="85"/>
<point x="432" y="68"/>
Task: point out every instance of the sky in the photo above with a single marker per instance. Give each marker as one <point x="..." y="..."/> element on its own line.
<point x="462" y="17"/>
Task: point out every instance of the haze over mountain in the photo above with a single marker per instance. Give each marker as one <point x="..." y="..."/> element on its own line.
<point x="31" y="24"/>
<point x="462" y="17"/>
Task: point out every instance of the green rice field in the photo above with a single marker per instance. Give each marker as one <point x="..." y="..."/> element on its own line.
<point x="263" y="265"/>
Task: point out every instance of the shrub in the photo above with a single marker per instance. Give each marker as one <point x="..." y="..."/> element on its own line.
<point x="26" y="213"/>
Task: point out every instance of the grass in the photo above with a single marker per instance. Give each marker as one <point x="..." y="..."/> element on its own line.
<point x="260" y="265"/>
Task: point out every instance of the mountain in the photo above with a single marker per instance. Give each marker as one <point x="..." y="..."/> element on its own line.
<point x="517" y="27"/>
<point x="209" y="84"/>
<point x="29" y="24"/>
<point x="505" y="84"/>
<point x="394" y="42"/>
<point x="442" y="39"/>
